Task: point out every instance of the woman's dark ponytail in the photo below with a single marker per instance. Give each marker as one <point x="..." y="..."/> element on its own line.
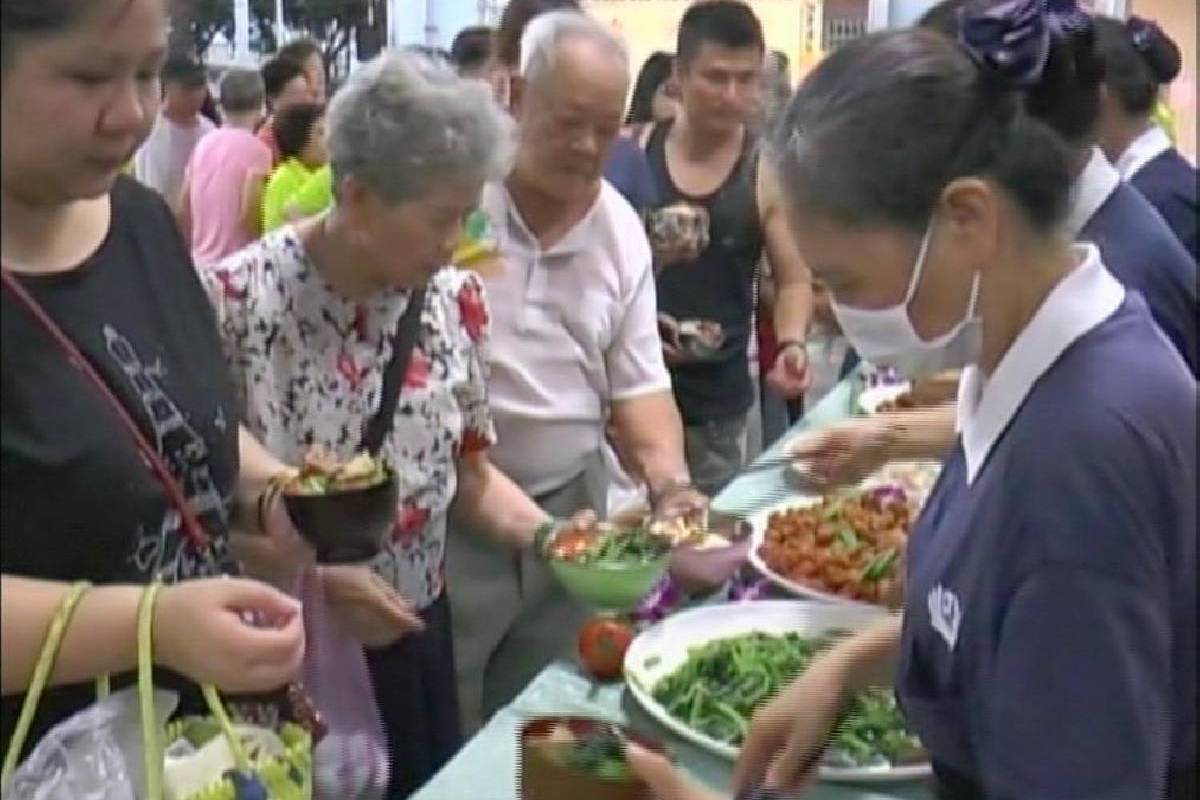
<point x="1158" y="50"/>
<point x="1140" y="58"/>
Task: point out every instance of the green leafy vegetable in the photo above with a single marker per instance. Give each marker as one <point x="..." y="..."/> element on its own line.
<point x="599" y="753"/>
<point x="722" y="682"/>
<point x="880" y="566"/>
<point x="625" y="546"/>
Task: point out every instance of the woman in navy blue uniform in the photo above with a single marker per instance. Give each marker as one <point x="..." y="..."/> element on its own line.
<point x="1140" y="60"/>
<point x="1137" y="246"/>
<point x="1047" y="646"/>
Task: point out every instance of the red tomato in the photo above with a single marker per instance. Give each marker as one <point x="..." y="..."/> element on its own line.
<point x="602" y="645"/>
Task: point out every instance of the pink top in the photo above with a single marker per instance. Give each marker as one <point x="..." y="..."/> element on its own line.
<point x="220" y="166"/>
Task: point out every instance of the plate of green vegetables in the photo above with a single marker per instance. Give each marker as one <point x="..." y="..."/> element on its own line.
<point x="703" y="672"/>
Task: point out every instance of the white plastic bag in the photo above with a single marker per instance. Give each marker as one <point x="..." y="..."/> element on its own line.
<point x="94" y="755"/>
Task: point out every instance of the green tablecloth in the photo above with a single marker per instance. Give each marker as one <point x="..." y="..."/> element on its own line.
<point x="486" y="768"/>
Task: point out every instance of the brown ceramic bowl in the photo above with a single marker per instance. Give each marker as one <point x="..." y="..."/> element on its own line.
<point x="346" y="527"/>
<point x="543" y="777"/>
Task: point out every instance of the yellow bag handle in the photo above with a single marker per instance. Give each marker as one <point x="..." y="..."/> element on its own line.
<point x="152" y="747"/>
<point x="41" y="675"/>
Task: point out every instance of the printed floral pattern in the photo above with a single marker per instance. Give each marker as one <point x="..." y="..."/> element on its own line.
<point x="308" y="368"/>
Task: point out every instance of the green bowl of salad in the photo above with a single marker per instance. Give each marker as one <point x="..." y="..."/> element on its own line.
<point x="609" y="567"/>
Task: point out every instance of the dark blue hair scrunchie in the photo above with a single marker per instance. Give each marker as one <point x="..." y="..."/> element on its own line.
<point x="1067" y="19"/>
<point x="1142" y="32"/>
<point x="1011" y="40"/>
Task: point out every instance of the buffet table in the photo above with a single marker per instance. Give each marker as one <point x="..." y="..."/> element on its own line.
<point x="486" y="768"/>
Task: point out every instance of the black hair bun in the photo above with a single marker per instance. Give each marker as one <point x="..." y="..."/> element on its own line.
<point x="1159" y="50"/>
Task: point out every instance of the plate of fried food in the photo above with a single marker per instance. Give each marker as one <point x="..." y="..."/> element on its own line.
<point x="842" y="547"/>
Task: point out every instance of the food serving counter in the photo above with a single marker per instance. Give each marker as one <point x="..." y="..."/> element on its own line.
<point x="486" y="768"/>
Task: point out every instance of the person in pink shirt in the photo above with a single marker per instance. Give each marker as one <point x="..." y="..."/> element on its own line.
<point x="223" y="184"/>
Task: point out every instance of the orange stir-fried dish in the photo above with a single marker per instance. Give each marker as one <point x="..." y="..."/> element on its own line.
<point x="848" y="545"/>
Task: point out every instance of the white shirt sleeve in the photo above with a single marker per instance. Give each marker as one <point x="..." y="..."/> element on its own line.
<point x="634" y="360"/>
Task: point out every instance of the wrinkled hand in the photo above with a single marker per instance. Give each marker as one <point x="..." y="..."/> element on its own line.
<point x="374" y="612"/>
<point x="291" y="550"/>
<point x="200" y="631"/>
<point x="844" y="454"/>
<point x="666" y="781"/>
<point x="789" y="375"/>
<point x="787" y="736"/>
<point x="277" y="554"/>
<point x="681" y="502"/>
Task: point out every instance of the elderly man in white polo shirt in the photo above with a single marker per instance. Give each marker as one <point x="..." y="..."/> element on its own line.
<point x="574" y="343"/>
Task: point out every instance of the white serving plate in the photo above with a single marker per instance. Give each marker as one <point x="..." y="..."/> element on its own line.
<point x="915" y="477"/>
<point x="661" y="649"/>
<point x="871" y="399"/>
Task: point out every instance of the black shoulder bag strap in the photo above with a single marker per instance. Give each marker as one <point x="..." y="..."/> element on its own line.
<point x="377" y="428"/>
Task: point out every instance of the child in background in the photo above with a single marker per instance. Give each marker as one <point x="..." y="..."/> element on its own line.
<point x="300" y="131"/>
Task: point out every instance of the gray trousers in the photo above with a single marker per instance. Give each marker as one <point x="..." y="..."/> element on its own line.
<point x="510" y="617"/>
<point x="716" y="452"/>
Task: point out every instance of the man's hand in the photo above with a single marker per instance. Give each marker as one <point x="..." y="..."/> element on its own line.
<point x="373" y="611"/>
<point x="678" y="500"/>
<point x="789" y="376"/>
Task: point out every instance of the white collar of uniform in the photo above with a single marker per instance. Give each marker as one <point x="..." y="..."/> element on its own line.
<point x="1152" y="143"/>
<point x="1083" y="299"/>
<point x="1089" y="191"/>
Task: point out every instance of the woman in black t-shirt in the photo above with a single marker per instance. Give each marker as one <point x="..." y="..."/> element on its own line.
<point x="100" y="257"/>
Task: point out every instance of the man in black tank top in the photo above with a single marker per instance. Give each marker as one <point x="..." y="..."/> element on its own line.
<point x="708" y="159"/>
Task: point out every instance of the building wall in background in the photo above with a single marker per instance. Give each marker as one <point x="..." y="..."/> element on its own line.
<point x="793" y="26"/>
<point x="800" y="28"/>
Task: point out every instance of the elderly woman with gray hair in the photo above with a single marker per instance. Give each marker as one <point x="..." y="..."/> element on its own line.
<point x="312" y="317"/>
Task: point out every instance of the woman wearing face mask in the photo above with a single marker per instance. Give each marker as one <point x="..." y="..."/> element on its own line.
<point x="1047" y="647"/>
<point x="311" y="318"/>
<point x="1140" y="59"/>
<point x="1137" y="246"/>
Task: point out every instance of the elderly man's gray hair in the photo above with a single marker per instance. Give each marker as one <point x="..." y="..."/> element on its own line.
<point x="241" y="91"/>
<point x="541" y="40"/>
<point x="403" y="124"/>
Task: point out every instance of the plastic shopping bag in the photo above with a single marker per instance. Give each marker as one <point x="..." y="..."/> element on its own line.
<point x="352" y="761"/>
<point x="94" y="755"/>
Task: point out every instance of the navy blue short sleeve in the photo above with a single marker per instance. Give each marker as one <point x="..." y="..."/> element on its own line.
<point x="1079" y="705"/>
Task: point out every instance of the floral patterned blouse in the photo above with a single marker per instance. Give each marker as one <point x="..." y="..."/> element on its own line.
<point x="308" y="368"/>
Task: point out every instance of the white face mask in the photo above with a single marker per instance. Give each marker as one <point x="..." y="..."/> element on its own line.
<point x="886" y="337"/>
